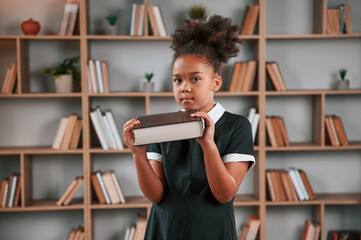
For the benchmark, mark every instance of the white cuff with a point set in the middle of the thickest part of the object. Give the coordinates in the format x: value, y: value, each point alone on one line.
x: 154, y: 156
x: 237, y: 157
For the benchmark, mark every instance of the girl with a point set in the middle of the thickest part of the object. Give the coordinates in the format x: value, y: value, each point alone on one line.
x: 192, y: 183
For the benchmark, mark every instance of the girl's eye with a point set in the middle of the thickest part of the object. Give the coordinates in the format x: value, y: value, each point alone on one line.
x: 195, y: 79
x: 177, y: 80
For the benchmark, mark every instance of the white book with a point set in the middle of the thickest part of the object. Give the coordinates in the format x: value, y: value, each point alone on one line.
x: 60, y: 133
x: 102, y: 186
x: 133, y: 20
x: 255, y: 122
x: 299, y: 192
x: 93, y: 77
x: 102, y: 124
x: 302, y: 185
x: 90, y: 90
x: 98, y: 71
x: 118, y: 188
x: 12, y: 190
x: 98, y: 129
x: 114, y: 129
x: 252, y: 112
x: 140, y: 20
x: 108, y: 133
x: 127, y: 234
x: 132, y: 231
x: 159, y: 21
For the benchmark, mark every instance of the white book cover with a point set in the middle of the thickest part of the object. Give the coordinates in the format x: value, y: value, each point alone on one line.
x: 60, y: 133
x: 255, y: 126
x: 159, y: 21
x: 132, y: 231
x: 296, y: 184
x: 108, y: 132
x: 98, y: 71
x: 133, y: 20
x: 12, y: 190
x: 252, y: 112
x: 99, y: 115
x: 102, y: 186
x: 302, y: 185
x: 97, y: 126
x: 114, y: 129
x: 93, y: 76
x: 127, y: 234
x: 90, y: 90
x: 118, y: 188
x: 141, y: 20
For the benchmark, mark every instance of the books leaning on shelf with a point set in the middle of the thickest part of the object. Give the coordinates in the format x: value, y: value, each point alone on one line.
x: 70, y: 18
x: 167, y: 127
x: 107, y: 187
x: 344, y: 235
x: 338, y: 20
x: 76, y: 234
x: 106, y: 129
x: 10, y: 191
x: 275, y: 77
x: 311, y: 231
x: 249, y: 230
x: 276, y: 131
x: 70, y: 191
x: 288, y: 185
x: 137, y: 231
x: 156, y: 21
x: 250, y: 20
x: 68, y: 133
x: 10, y: 79
x: 98, y: 76
x: 253, y: 118
x: 335, y: 133
x: 243, y: 76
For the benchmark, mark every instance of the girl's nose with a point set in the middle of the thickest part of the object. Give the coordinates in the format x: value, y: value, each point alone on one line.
x: 186, y: 87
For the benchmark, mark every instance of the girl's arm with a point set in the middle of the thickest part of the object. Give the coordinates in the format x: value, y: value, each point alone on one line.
x: 150, y: 172
x: 223, y: 179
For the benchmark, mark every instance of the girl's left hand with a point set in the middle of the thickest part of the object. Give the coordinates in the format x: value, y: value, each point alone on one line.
x: 208, y: 135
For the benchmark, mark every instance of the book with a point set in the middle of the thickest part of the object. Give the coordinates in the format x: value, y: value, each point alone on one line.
x: 110, y: 186
x: 152, y: 21
x: 140, y: 227
x: 72, y: 119
x: 250, y: 20
x: 97, y: 188
x: 114, y: 129
x: 70, y: 16
x: 277, y: 132
x: 117, y: 187
x: 282, y: 127
x: 4, y: 191
x: 341, y: 134
x: 10, y: 79
x: 99, y: 129
x: 270, y: 188
x: 249, y: 77
x: 93, y: 78
x: 159, y: 21
x: 105, y: 75
x: 235, y: 76
x: 348, y: 22
x: 241, y: 76
x: 253, y: 118
x: 76, y: 134
x: 73, y: 191
x: 296, y: 184
x: 166, y: 127
x: 17, y: 194
x: 307, y: 184
x: 244, y: 231
x: 291, y: 195
x: 308, y: 230
x: 99, y: 77
x: 330, y: 134
x: 301, y: 184
x: 60, y: 132
x: 102, y: 186
x: 254, y: 223
x: 270, y: 132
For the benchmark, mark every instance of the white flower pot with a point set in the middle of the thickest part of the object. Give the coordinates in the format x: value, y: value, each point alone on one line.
x: 343, y: 84
x: 112, y: 30
x: 64, y: 83
x: 148, y: 86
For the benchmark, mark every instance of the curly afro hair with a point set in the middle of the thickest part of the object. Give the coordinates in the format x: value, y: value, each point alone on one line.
x: 215, y: 40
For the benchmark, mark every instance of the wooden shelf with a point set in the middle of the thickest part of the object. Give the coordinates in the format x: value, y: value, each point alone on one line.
x: 307, y: 146
x: 130, y: 202
x: 36, y: 150
x: 46, y: 205
x: 111, y: 151
x: 245, y: 200
x: 42, y: 95
x: 311, y: 36
x: 39, y: 37
x: 313, y: 92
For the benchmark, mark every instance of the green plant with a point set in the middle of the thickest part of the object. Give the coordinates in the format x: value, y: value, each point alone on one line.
x: 112, y: 19
x: 67, y: 66
x: 197, y: 11
x: 149, y: 76
x: 343, y: 72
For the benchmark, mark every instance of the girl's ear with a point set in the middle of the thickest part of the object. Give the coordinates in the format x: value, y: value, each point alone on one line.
x: 217, y: 83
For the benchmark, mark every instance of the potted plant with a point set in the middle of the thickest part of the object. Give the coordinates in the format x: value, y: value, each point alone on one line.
x: 197, y: 11
x: 112, y: 28
x: 343, y: 83
x: 148, y: 85
x: 65, y: 74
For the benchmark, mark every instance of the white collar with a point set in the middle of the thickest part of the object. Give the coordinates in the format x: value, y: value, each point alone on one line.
x: 216, y: 112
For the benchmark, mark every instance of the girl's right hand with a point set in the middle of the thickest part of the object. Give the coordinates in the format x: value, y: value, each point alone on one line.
x: 129, y: 136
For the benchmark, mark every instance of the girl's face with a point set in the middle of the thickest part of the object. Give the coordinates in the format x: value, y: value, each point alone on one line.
x: 194, y: 83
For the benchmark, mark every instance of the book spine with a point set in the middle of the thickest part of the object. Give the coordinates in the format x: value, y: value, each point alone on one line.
x: 114, y: 129
x: 97, y: 126
x: 108, y: 133
x: 296, y: 184
x: 98, y: 71
x: 102, y: 186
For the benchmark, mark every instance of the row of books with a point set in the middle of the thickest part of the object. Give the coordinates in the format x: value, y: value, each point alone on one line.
x: 137, y: 231
x: 344, y: 235
x: 243, y: 76
x: 106, y: 129
x: 253, y: 118
x: 155, y: 20
x: 68, y: 133
x: 70, y: 18
x: 10, y: 79
x: 311, y: 231
x: 70, y: 191
x: 107, y: 187
x: 335, y: 133
x: 338, y: 20
x: 275, y: 77
x: 10, y: 191
x: 76, y: 234
x: 288, y: 185
x: 249, y: 230
x: 250, y: 20
x: 98, y: 76
x: 276, y: 131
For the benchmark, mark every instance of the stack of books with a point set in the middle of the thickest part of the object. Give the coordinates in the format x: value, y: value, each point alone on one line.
x: 70, y: 18
x: 70, y: 191
x: 106, y: 129
x: 250, y: 20
x: 98, y: 76
x: 344, y: 235
x: 275, y: 76
x: 155, y: 19
x: 288, y: 185
x: 276, y: 131
x: 243, y: 76
x: 311, y: 231
x: 10, y: 191
x: 76, y: 234
x: 68, y: 134
x: 338, y: 20
x: 335, y: 133
x: 137, y: 231
x: 107, y: 187
x: 253, y: 118
x: 9, y: 80
x: 249, y: 229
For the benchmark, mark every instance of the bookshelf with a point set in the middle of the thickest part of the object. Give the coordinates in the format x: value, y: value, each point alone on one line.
x: 293, y: 41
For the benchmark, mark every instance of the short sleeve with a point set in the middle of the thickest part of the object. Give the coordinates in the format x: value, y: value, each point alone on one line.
x: 154, y: 152
x: 240, y: 145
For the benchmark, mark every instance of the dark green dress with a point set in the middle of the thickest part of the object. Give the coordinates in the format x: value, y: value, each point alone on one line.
x: 189, y: 210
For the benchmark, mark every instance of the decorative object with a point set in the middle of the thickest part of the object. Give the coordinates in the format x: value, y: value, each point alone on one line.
x: 343, y: 84
x: 148, y: 86
x: 30, y: 27
x: 112, y: 28
x: 197, y: 11
x: 64, y: 73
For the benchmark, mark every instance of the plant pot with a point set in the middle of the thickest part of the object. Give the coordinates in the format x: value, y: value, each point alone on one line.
x: 343, y: 84
x: 148, y: 86
x: 30, y: 27
x: 112, y: 30
x: 64, y: 83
